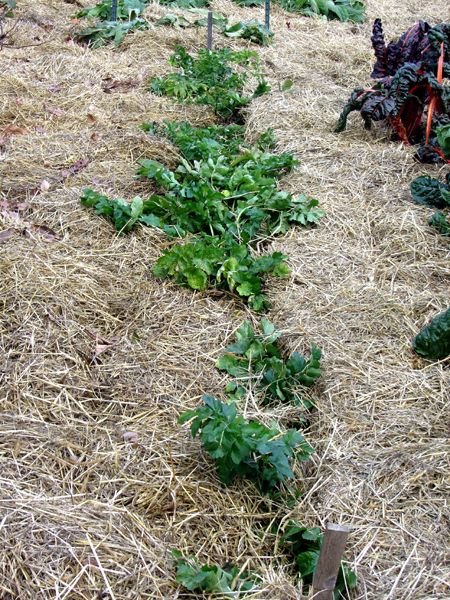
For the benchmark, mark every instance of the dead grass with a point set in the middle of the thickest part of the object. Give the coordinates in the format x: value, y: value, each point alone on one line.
x: 94, y: 347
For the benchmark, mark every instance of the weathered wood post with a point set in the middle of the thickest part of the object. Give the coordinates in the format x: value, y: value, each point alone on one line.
x: 325, y: 575
x: 210, y: 30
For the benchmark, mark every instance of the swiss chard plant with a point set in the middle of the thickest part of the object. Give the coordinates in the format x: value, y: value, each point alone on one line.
x: 256, y: 359
x: 344, y: 10
x: 212, y: 79
x: 432, y: 192
x: 218, y: 261
x: 408, y: 94
x: 245, y: 448
x: 228, y: 581
x: 304, y: 545
x: 440, y: 222
x: 433, y: 341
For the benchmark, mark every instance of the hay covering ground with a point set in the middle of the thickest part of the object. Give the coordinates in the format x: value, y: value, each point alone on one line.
x: 86, y: 514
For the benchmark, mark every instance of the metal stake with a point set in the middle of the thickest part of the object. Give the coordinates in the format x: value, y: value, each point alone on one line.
x: 210, y: 30
x: 113, y: 10
x: 267, y: 14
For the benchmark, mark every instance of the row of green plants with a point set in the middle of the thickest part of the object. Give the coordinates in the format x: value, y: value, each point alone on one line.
x: 223, y: 197
x: 219, y: 206
x: 410, y: 97
x: 264, y: 455
x: 105, y: 30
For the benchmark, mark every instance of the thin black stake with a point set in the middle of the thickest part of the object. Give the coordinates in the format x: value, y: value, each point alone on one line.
x: 113, y: 10
x: 210, y: 30
x: 267, y: 14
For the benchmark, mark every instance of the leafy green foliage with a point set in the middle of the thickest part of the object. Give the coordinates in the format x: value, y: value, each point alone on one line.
x: 256, y: 357
x: 224, y: 186
x: 245, y: 448
x: 211, y: 80
x: 223, y: 263
x: 123, y: 214
x: 443, y: 138
x: 440, y: 222
x: 250, y: 30
x: 105, y: 32
x: 304, y: 546
x: 127, y: 10
x: 344, y: 10
x: 430, y: 191
x: 212, y: 578
x: 433, y: 341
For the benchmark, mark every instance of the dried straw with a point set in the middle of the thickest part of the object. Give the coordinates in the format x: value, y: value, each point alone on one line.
x: 98, y: 482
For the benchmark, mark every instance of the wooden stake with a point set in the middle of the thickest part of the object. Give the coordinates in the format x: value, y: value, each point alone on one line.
x: 210, y: 30
x: 325, y: 575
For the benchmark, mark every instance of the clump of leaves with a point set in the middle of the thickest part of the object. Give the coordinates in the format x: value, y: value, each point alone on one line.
x: 304, y: 545
x: 224, y: 186
x: 211, y: 80
x: 221, y: 262
x: 257, y: 358
x: 430, y: 191
x: 344, y: 10
x: 106, y: 32
x: 433, y: 341
x: 409, y: 94
x: 127, y: 10
x: 123, y: 214
x: 440, y: 222
x: 253, y: 30
x: 243, y: 448
x: 229, y: 581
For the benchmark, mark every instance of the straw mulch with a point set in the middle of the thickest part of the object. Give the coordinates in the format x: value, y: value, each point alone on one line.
x: 98, y: 482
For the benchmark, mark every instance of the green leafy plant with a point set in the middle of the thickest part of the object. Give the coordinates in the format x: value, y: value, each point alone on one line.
x: 304, y: 545
x: 430, y: 191
x: 245, y: 448
x: 229, y: 581
x: 7, y: 7
x: 221, y: 262
x: 254, y: 31
x: 433, y: 341
x: 211, y: 80
x: 257, y: 358
x: 224, y: 186
x: 106, y: 32
x: 443, y: 139
x: 123, y: 214
x: 440, y: 222
x: 127, y: 10
x: 344, y: 10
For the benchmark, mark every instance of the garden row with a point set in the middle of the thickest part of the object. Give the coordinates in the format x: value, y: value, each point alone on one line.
x: 126, y: 17
x: 220, y: 206
x: 223, y: 197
